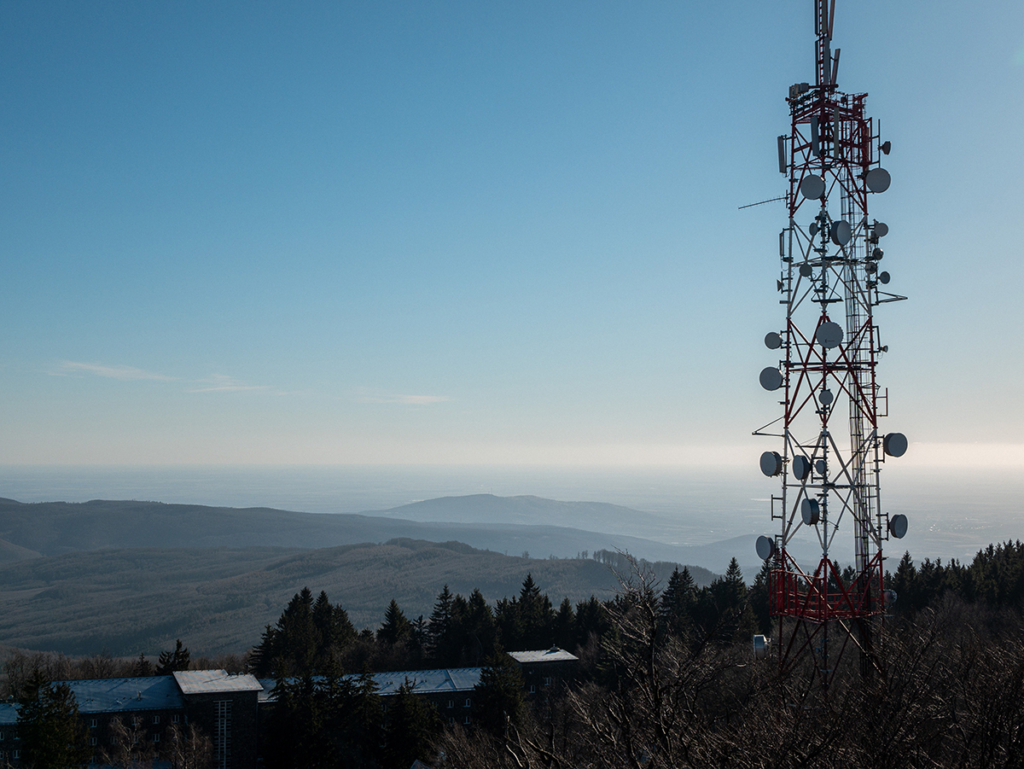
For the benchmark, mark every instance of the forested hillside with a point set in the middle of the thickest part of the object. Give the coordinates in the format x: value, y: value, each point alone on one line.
x: 54, y: 528
x: 136, y: 600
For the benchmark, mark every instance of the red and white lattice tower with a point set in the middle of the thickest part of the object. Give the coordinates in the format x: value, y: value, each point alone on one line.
x: 832, y: 448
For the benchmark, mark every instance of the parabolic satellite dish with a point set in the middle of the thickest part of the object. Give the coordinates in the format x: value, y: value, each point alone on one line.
x: 878, y: 180
x: 771, y: 378
x: 771, y: 463
x: 895, y: 444
x: 806, y: 270
x: 772, y: 340
x: 825, y: 397
x: 840, y: 232
x: 801, y: 467
x: 898, y: 526
x: 812, y: 187
x: 765, y: 547
x: 810, y: 511
x: 829, y: 335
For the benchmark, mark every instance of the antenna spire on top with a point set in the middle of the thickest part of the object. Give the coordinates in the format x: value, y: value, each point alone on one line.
x: 824, y: 16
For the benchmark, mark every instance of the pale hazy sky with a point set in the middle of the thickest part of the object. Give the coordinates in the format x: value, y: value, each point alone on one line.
x: 482, y: 232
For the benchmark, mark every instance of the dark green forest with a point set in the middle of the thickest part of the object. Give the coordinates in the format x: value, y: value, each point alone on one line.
x: 665, y: 678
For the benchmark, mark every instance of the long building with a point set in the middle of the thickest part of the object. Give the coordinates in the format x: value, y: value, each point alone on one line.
x: 226, y: 708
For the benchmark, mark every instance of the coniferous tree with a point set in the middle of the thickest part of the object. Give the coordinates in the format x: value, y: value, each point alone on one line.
x: 171, y: 661
x: 396, y: 627
x: 444, y: 643
x: 479, y: 629
x: 306, y: 635
x: 334, y: 629
x: 499, y: 695
x: 143, y: 667
x: 564, y: 630
x: 413, y: 726
x: 509, y: 623
x: 675, y: 608
x: 592, y: 621
x: 52, y: 735
x: 536, y: 616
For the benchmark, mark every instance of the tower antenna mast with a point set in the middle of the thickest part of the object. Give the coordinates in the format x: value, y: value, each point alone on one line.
x: 832, y: 448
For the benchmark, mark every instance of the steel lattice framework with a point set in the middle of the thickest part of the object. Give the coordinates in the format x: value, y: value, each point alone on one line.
x: 832, y: 448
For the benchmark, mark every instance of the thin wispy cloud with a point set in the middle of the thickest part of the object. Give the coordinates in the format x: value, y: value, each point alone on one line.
x: 215, y: 383
x: 221, y: 383
x: 407, y: 400
x: 123, y: 373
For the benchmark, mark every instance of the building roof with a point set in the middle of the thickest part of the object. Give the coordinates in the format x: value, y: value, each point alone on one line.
x: 110, y: 695
x: 448, y: 681
x: 8, y: 714
x: 554, y: 654
x: 428, y: 681
x: 215, y: 682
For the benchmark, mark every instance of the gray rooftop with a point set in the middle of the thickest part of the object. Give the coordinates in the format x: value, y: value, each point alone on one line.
x: 8, y: 714
x: 215, y: 682
x: 554, y: 654
x: 424, y: 681
x: 108, y: 695
x: 429, y: 681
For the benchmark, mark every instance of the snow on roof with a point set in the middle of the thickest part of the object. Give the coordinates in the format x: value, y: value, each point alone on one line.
x: 215, y: 682
x: 554, y: 654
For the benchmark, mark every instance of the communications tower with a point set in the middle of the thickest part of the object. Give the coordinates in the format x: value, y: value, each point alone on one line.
x: 832, y: 446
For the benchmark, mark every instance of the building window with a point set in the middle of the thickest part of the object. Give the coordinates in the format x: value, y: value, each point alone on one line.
x: 2, y: 734
x: 175, y: 718
x: 16, y: 755
x: 469, y: 703
x: 532, y: 688
x: 93, y: 741
x: 466, y: 720
x: 156, y: 738
x: 92, y: 723
x: 547, y: 681
x: 156, y: 719
x: 451, y: 704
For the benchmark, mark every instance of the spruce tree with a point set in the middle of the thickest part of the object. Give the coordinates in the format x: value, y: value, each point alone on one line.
x: 499, y: 695
x: 396, y: 627
x: 413, y: 725
x: 52, y: 735
x: 171, y: 661
x: 675, y: 609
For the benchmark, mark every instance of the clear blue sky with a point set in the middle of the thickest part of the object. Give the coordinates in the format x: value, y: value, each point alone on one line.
x: 486, y: 232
